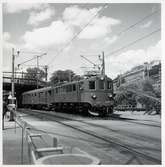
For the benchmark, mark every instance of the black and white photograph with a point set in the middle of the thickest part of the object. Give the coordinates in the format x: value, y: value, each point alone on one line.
x: 81, y: 83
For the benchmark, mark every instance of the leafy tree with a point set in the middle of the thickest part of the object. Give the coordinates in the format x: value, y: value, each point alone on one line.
x: 124, y: 97
x: 127, y: 97
x: 149, y: 103
x: 34, y: 73
x: 62, y: 76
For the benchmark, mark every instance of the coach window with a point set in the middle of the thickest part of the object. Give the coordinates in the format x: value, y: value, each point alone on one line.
x: 64, y: 88
x: 49, y: 92
x: 74, y: 87
x: 101, y: 84
x: 109, y: 85
x: 70, y: 88
x: 56, y: 90
x: 92, y: 85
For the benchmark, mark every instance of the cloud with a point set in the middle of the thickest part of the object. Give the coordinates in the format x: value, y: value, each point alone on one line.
x: 6, y: 36
x: 77, y: 16
x: 98, y: 27
x: 57, y: 33
x: 110, y: 40
x: 131, y: 58
x: 19, y: 7
x: 146, y: 25
x: 7, y: 51
x: 103, y: 44
x: 37, y: 17
x: 6, y: 43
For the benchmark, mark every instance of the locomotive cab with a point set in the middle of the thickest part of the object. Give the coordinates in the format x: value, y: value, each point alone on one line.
x: 98, y: 93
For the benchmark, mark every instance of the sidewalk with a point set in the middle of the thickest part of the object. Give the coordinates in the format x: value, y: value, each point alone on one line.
x: 139, y: 116
x: 12, y: 145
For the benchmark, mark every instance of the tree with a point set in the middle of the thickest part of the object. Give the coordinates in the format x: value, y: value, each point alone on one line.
x: 34, y: 73
x: 147, y: 88
x: 62, y: 76
x: 124, y: 97
x: 143, y: 90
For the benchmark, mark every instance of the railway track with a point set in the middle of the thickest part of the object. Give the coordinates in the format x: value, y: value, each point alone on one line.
x: 109, y: 140
x: 104, y: 127
x: 111, y: 117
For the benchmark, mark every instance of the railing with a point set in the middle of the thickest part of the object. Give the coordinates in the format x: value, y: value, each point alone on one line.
x: 20, y: 78
x: 39, y: 150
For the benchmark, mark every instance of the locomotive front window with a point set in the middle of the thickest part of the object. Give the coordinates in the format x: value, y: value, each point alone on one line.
x: 92, y: 85
x: 109, y: 85
x: 101, y: 84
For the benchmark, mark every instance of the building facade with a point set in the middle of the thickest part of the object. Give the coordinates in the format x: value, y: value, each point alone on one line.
x: 150, y: 70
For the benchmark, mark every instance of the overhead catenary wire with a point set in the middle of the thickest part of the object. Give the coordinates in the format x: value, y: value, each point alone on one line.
x: 30, y: 52
x: 32, y: 59
x: 132, y: 43
x: 26, y: 61
x: 136, y: 23
x: 77, y: 34
x: 119, y: 33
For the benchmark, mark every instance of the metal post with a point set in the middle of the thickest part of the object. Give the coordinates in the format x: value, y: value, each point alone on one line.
x: 22, y: 147
x: 103, y: 65
x: 12, y: 82
x: 3, y: 124
x: 37, y: 70
x: 12, y: 85
x: 46, y: 73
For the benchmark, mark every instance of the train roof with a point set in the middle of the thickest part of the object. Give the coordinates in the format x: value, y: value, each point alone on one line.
x: 63, y: 84
x: 38, y: 90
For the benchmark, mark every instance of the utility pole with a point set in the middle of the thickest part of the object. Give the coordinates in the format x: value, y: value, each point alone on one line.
x: 46, y: 73
x: 12, y: 86
x: 13, y: 73
x: 103, y: 64
x: 37, y: 70
x: 38, y: 56
x: 12, y: 80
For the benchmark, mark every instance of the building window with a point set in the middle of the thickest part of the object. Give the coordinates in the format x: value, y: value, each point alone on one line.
x: 92, y: 85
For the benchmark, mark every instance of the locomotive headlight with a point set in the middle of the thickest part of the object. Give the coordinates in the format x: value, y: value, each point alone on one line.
x: 94, y: 96
x: 110, y: 95
x: 102, y: 78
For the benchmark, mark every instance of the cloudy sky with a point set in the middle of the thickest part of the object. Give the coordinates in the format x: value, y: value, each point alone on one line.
x: 54, y: 29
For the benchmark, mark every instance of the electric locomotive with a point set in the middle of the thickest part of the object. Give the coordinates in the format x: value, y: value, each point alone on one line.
x: 89, y: 96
